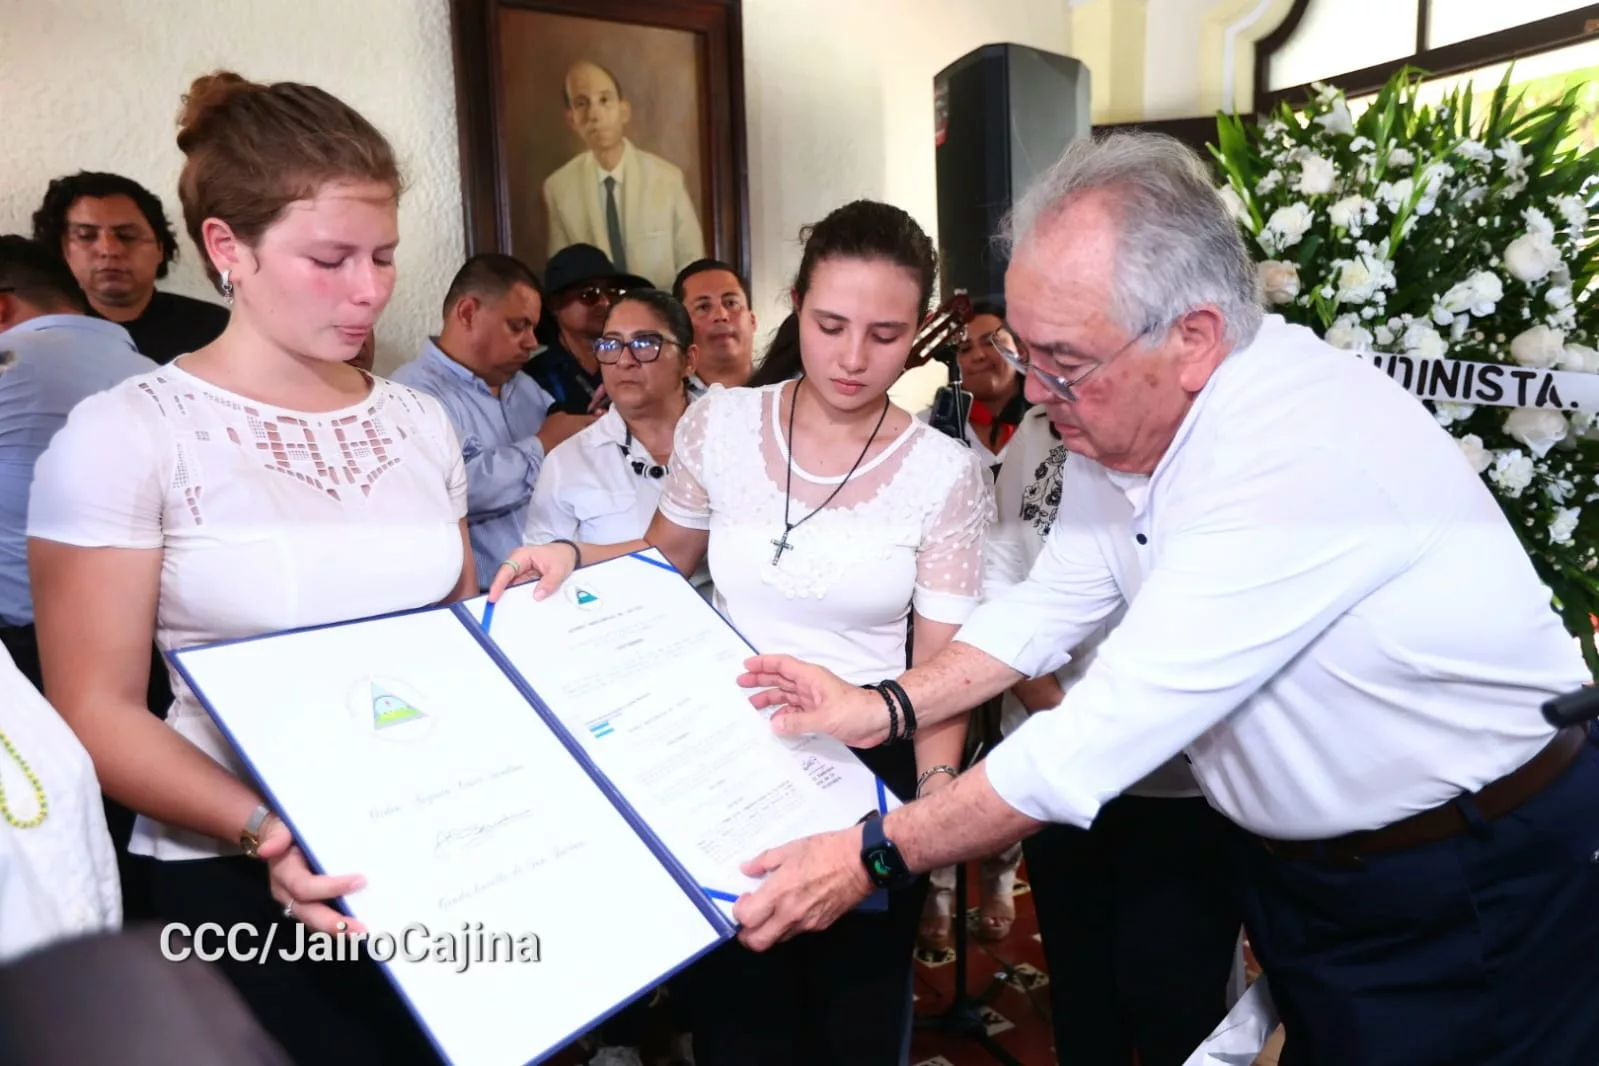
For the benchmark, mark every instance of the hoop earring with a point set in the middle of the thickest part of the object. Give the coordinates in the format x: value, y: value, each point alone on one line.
x: 227, y: 286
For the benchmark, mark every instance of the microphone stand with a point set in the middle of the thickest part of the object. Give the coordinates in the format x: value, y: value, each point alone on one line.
x: 964, y: 1015
x: 952, y: 405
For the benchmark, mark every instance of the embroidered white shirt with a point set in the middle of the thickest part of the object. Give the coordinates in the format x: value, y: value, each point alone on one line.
x: 268, y: 519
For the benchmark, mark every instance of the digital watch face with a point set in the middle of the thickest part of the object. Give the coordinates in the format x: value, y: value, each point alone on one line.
x: 881, y: 869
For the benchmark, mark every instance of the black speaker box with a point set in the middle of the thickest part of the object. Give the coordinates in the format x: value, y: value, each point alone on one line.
x: 1002, y: 115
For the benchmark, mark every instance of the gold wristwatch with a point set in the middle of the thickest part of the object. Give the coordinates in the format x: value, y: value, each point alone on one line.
x: 250, y: 838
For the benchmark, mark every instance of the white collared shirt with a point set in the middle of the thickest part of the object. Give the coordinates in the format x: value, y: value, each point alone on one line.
x: 1326, y: 608
x: 588, y: 491
x: 1028, y: 497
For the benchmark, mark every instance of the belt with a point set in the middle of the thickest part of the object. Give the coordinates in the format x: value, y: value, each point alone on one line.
x: 1493, y: 800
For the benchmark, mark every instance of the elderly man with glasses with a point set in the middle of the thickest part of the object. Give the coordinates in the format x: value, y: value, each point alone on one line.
x: 1326, y: 611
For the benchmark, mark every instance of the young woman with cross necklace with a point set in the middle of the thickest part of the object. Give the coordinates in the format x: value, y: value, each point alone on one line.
x: 836, y: 526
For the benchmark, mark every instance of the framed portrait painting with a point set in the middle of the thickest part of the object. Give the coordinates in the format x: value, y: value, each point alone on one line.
x: 615, y: 123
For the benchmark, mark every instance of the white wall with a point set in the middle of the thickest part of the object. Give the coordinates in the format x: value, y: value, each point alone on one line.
x: 840, y: 100
x: 1171, y: 58
x: 96, y: 85
x: 839, y: 105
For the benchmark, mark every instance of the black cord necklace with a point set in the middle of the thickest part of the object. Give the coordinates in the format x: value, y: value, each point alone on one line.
x: 782, y: 545
x: 640, y: 467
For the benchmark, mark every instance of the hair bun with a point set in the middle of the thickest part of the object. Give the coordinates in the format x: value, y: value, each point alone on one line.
x: 208, y: 96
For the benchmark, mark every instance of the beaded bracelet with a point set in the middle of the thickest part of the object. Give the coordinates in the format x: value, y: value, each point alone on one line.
x: 893, y: 715
x: 904, y: 706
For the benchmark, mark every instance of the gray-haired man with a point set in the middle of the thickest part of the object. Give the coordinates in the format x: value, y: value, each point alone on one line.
x: 1326, y: 610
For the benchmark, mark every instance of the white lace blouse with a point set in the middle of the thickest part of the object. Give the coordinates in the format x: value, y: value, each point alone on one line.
x: 268, y: 519
x: 905, y: 531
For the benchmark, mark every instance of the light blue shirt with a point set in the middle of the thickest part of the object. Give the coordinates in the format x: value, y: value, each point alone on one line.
x: 47, y: 365
x: 498, y: 445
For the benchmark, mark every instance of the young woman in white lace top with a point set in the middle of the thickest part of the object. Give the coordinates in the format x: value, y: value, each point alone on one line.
x: 831, y: 519
x: 257, y: 484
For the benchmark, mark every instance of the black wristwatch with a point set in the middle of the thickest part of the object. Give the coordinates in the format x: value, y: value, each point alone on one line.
x: 884, y: 865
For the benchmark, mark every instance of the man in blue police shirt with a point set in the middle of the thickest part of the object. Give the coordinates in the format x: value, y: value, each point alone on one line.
x: 502, y: 416
x: 52, y: 354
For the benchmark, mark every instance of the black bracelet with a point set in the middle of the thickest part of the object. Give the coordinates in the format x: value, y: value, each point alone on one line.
x: 575, y: 550
x: 893, y: 715
x: 904, y: 705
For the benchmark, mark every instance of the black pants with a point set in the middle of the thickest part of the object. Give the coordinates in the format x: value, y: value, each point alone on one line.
x: 840, y: 996
x: 1482, y: 949
x: 1139, y: 918
x: 334, y: 1013
x: 22, y: 644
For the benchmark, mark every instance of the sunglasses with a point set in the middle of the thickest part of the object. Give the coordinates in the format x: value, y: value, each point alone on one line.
x: 590, y: 295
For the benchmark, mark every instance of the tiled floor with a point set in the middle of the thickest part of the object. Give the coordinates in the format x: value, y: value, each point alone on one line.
x: 1009, y: 979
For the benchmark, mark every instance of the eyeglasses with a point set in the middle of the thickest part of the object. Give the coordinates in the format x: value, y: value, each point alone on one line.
x: 1014, y: 352
x: 646, y: 347
x: 593, y: 294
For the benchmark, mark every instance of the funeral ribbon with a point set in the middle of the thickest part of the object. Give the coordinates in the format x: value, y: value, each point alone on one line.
x: 1491, y: 384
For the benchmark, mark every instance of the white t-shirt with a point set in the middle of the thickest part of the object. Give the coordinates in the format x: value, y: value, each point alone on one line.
x: 1028, y: 493
x: 906, y: 530
x: 58, y: 879
x: 268, y: 519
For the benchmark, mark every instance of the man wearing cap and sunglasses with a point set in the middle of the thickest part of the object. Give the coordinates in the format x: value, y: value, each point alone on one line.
x: 582, y: 283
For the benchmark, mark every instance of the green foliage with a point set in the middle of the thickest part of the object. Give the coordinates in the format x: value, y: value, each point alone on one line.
x: 1460, y: 230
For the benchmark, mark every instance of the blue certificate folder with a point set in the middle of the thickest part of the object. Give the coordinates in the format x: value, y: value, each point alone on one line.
x: 519, y: 895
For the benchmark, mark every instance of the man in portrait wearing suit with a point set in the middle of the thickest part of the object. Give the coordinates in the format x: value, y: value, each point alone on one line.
x: 623, y: 200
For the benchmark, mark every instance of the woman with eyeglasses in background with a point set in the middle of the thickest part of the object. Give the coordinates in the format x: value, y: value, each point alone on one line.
x: 602, y: 485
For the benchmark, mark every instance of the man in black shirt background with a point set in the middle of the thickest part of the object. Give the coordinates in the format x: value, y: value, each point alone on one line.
x: 115, y: 236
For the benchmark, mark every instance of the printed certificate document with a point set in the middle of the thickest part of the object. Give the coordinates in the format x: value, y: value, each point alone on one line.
x: 549, y: 800
x: 633, y: 662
